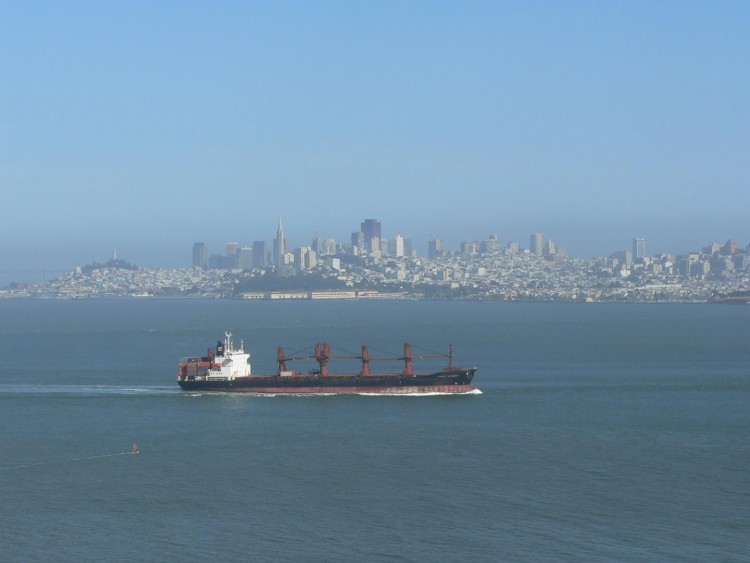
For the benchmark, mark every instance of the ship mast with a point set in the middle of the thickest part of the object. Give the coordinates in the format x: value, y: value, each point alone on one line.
x: 408, y: 367
x: 322, y: 355
x: 365, y: 361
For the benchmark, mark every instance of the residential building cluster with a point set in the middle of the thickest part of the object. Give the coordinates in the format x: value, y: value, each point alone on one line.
x: 372, y: 266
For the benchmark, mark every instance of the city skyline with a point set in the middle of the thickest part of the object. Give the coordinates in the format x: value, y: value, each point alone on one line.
x: 538, y: 243
x: 149, y: 128
x: 717, y: 273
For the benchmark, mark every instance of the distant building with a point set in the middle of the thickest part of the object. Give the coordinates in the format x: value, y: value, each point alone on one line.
x: 536, y: 244
x: 513, y: 247
x: 639, y: 249
x: 231, y: 248
x: 358, y: 243
x: 469, y: 247
x: 371, y: 230
x: 714, y: 248
x: 408, y: 248
x: 200, y: 255
x: 260, y: 254
x: 398, y: 246
x: 217, y: 262
x: 731, y: 246
x: 328, y: 248
x: 302, y: 259
x: 550, y: 249
x: 490, y: 246
x: 435, y: 248
x: 622, y: 257
x: 245, y: 258
x: 279, y: 246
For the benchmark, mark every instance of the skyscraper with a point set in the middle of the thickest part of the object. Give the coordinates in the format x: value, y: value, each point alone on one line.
x: 279, y: 245
x: 639, y: 248
x: 245, y: 258
x: 372, y: 233
x: 536, y: 244
x: 260, y: 253
x: 398, y: 246
x: 435, y: 248
x: 490, y: 246
x: 200, y: 255
x: 358, y: 242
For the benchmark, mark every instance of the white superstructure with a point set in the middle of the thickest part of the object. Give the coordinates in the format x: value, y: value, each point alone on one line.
x: 231, y: 362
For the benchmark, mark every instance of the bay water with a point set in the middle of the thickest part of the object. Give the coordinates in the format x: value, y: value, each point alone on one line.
x: 604, y: 432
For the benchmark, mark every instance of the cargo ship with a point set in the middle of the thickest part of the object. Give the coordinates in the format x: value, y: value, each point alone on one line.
x: 734, y: 298
x: 226, y: 368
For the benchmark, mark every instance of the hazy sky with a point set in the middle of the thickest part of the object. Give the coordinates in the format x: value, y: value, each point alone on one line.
x: 147, y: 126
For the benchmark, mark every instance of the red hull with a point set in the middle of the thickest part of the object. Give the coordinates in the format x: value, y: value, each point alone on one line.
x: 406, y: 390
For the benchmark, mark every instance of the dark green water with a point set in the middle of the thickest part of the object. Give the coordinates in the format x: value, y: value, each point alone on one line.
x: 604, y: 433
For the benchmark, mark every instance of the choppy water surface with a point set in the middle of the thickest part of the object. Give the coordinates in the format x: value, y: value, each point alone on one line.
x: 604, y: 432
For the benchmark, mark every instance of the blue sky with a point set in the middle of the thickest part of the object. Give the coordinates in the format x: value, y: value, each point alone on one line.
x: 147, y: 126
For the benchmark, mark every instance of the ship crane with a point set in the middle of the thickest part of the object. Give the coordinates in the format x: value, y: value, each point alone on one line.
x: 323, y: 354
x: 281, y: 359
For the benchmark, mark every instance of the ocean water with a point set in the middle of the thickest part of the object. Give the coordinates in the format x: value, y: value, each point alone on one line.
x: 603, y: 432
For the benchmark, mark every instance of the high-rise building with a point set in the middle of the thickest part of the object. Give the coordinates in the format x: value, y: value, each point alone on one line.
x: 639, y: 248
x: 358, y: 243
x: 435, y: 248
x: 200, y: 255
x: 245, y: 258
x: 408, y: 248
x: 536, y: 244
x: 371, y: 230
x: 279, y: 245
x: 328, y: 247
x: 550, y: 249
x: 260, y: 254
x: 731, y: 246
x: 231, y: 248
x: 398, y: 246
x: 469, y: 247
x: 490, y: 246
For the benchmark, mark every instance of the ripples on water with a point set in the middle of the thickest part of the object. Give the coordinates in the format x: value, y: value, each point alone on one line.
x: 603, y: 433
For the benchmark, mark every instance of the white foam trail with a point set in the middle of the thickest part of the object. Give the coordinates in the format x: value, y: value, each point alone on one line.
x: 11, y: 389
x: 61, y: 461
x: 426, y: 394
